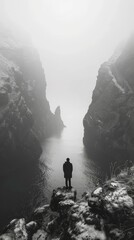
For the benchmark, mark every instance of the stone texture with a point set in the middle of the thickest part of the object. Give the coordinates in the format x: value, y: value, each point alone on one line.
x: 108, y: 124
x: 39, y: 235
x: 25, y: 116
x: 15, y: 230
x: 105, y: 214
x: 59, y: 197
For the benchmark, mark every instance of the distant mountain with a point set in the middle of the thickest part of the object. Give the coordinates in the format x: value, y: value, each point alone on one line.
x: 109, y: 122
x: 25, y: 116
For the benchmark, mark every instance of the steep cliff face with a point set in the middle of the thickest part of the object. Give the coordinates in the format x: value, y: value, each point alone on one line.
x: 108, y: 124
x: 25, y: 116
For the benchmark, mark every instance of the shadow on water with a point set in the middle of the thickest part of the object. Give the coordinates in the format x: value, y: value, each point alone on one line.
x: 21, y: 192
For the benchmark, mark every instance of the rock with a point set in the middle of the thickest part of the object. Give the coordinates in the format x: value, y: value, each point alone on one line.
x: 20, y: 229
x: 64, y: 207
x: 7, y: 236
x: 39, y: 235
x: 52, y: 226
x: 39, y: 214
x: 25, y: 116
x: 97, y: 192
x: 75, y: 217
x: 107, y: 214
x: 41, y: 210
x: 119, y: 199
x: 61, y: 194
x: 108, y: 123
x: 16, y: 230
x: 95, y: 203
x: 116, y: 234
x: 58, y: 119
x: 86, y: 195
x: 31, y: 228
x: 83, y: 224
x: 84, y: 232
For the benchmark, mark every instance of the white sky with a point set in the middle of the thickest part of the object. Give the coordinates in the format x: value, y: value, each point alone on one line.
x: 73, y: 38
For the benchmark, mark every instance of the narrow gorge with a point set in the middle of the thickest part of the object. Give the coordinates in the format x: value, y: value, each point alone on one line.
x: 105, y: 213
x: 34, y: 142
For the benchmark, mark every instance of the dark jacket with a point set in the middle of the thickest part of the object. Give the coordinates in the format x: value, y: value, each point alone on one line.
x: 67, y: 169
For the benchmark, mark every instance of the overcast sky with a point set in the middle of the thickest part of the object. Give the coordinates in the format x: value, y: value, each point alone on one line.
x: 73, y: 38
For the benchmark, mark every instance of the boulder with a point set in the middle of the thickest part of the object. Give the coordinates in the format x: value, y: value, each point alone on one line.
x: 39, y: 235
x: 107, y: 213
x: 60, y: 195
x: 15, y: 230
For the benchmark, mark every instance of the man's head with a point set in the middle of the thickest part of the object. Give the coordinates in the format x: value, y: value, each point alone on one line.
x: 67, y: 159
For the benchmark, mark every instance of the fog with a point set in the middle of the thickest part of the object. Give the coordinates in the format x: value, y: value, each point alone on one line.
x: 73, y: 37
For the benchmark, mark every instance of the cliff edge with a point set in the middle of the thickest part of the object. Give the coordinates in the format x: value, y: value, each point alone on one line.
x: 25, y: 116
x: 108, y: 124
x: 107, y: 213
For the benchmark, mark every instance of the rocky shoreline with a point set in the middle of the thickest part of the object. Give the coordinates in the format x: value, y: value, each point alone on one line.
x: 106, y: 213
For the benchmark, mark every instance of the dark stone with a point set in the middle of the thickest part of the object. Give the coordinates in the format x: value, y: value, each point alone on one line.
x: 108, y: 123
x: 60, y: 195
x: 25, y: 116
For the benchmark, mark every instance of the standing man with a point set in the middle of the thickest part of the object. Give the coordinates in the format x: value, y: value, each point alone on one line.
x: 67, y: 169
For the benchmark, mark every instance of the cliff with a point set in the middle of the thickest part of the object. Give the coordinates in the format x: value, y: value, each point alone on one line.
x: 25, y: 116
x: 108, y: 124
x: 107, y: 213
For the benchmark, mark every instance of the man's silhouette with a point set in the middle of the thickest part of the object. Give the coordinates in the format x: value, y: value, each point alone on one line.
x: 67, y: 169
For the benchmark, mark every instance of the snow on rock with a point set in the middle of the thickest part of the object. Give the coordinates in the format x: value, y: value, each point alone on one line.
x: 62, y: 194
x: 97, y: 192
x: 118, y: 200
x: 16, y: 230
x: 88, y: 233
x: 39, y: 235
x: 105, y: 214
x: 41, y: 210
x: 64, y: 207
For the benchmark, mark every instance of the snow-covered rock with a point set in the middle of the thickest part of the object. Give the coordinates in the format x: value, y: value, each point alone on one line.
x: 106, y: 214
x: 16, y: 230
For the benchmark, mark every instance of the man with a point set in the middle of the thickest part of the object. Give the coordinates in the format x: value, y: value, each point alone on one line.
x: 67, y: 169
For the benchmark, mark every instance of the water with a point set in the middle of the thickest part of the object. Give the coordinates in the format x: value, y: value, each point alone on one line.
x: 20, y: 193
x: 26, y: 188
x: 57, y: 149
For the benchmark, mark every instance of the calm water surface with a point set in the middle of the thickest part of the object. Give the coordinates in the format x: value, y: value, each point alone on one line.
x: 56, y: 150
x: 31, y: 186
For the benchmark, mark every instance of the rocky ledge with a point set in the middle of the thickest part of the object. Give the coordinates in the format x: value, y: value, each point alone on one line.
x: 106, y: 213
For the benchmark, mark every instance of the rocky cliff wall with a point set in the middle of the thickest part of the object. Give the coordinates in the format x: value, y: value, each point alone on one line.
x: 108, y: 124
x: 25, y: 116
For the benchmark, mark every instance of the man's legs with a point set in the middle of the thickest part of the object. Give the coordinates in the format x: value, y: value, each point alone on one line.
x: 69, y: 182
x: 66, y: 182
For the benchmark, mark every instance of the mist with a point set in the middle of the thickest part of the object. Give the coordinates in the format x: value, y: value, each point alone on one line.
x: 50, y: 55
x: 73, y: 37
